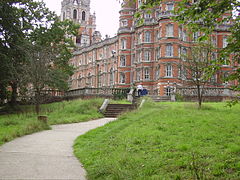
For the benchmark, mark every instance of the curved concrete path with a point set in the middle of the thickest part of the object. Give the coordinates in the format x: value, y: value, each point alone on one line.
x: 46, y: 155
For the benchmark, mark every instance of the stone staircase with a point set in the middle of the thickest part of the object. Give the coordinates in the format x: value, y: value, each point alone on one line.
x: 160, y: 98
x: 113, y: 110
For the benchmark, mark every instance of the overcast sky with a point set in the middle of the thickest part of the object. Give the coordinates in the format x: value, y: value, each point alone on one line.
x: 107, y: 14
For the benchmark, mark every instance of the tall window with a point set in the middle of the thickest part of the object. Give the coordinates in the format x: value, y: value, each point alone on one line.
x: 74, y: 14
x: 139, y: 56
x: 225, y: 43
x: 123, y: 43
x: 157, y: 53
x: 147, y: 55
x: 169, y: 30
x: 147, y: 36
x: 111, y: 77
x: 139, y: 38
x: 168, y: 91
x: 213, y: 79
x: 214, y: 40
x: 195, y: 36
x: 89, y: 79
x: 123, y: 61
x: 146, y: 74
x: 169, y: 70
x: 79, y: 80
x: 122, y: 78
x: 180, y: 33
x: 78, y: 39
x: 157, y: 35
x: 214, y: 56
x: 139, y: 3
x: 182, y: 74
x: 124, y: 23
x: 138, y: 75
x: 100, y: 79
x: 64, y: 16
x: 169, y: 50
x: 83, y: 16
x: 169, y: 7
x: 157, y: 72
x: 184, y: 36
x: 183, y: 53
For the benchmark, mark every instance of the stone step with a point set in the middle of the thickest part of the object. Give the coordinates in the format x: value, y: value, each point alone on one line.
x: 113, y: 110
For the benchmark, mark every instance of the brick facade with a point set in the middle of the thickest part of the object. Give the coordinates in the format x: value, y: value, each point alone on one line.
x: 147, y: 54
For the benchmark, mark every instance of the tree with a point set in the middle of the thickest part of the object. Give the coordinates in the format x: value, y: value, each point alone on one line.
x: 198, y: 67
x: 48, y: 55
x: 28, y: 25
x: 11, y: 37
x: 205, y: 15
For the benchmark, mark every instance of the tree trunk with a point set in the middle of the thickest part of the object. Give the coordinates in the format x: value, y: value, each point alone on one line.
x: 13, y: 101
x: 37, y: 102
x: 199, y: 97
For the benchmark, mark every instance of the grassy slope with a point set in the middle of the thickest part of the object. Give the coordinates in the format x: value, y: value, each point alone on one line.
x: 16, y: 125
x: 165, y: 141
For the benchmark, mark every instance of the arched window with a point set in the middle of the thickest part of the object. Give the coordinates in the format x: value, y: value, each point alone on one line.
x: 83, y: 15
x: 74, y: 14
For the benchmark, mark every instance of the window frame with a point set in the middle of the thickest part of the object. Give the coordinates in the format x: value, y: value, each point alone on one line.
x: 122, y: 78
x: 122, y: 61
x: 146, y: 74
x: 169, y: 30
x: 169, y: 50
x: 169, y: 70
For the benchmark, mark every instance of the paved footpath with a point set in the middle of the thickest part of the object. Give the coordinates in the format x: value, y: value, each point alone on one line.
x: 46, y: 155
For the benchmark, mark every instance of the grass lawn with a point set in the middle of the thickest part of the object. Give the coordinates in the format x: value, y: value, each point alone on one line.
x: 165, y: 141
x: 16, y: 125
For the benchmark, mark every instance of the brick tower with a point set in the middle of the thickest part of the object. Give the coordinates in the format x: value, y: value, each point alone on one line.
x: 79, y: 12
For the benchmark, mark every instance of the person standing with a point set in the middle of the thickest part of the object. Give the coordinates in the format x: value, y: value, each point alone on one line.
x: 139, y: 89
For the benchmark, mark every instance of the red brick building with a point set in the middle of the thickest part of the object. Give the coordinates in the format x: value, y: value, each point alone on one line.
x: 147, y: 54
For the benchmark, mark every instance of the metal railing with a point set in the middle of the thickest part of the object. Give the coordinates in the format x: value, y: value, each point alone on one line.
x: 121, y: 92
